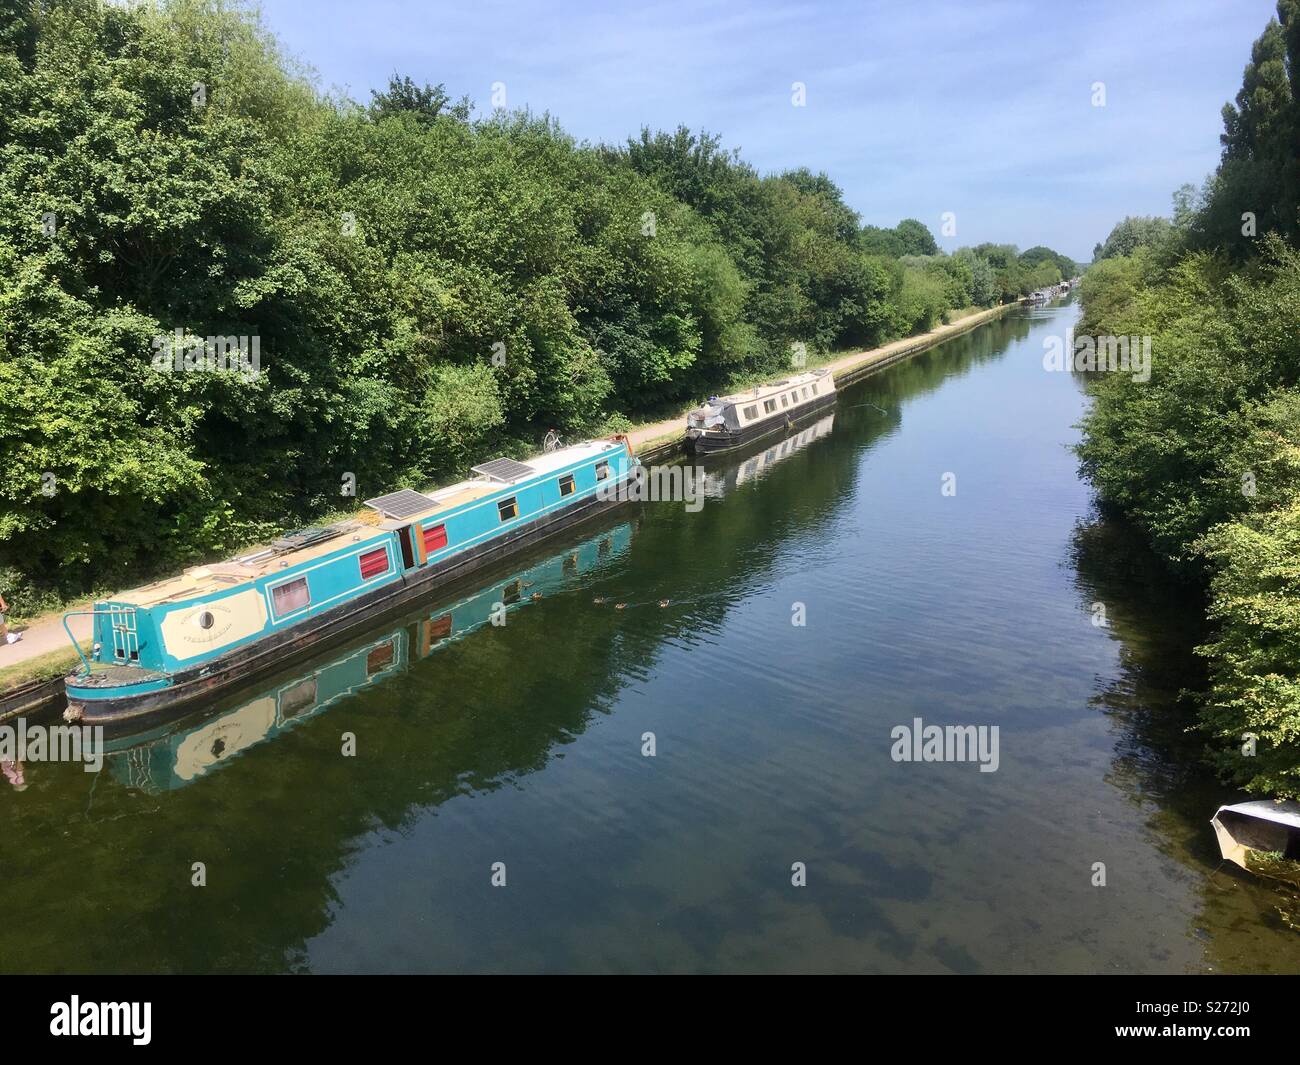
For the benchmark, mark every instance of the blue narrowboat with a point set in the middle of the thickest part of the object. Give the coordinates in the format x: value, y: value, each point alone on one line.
x: 171, y: 643
x: 166, y: 757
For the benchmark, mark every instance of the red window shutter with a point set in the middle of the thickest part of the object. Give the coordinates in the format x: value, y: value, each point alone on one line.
x: 373, y: 563
x: 435, y: 538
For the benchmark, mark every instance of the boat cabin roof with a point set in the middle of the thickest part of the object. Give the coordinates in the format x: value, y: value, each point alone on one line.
x: 286, y: 553
x: 772, y: 388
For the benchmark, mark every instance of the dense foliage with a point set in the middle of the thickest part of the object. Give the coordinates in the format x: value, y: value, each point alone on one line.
x: 1205, y: 456
x: 425, y: 288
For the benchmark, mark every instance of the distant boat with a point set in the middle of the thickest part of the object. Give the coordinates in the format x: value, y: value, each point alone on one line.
x: 728, y: 422
x: 1262, y: 837
x: 193, y: 636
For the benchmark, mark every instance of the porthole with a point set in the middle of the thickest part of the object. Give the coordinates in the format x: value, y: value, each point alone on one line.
x: 206, y: 620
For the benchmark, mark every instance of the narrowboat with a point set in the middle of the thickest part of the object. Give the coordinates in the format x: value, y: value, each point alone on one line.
x: 728, y: 422
x: 170, y: 756
x: 1262, y: 837
x: 166, y: 645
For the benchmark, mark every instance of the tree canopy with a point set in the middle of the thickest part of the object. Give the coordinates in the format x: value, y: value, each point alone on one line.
x: 424, y: 287
x: 1205, y: 456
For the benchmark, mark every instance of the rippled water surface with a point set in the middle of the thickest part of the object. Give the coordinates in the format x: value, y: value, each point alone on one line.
x: 523, y: 744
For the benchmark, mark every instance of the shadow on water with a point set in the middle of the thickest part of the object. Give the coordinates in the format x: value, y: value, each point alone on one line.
x: 1247, y: 923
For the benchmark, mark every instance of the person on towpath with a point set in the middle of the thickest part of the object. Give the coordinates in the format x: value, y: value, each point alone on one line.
x: 5, y: 635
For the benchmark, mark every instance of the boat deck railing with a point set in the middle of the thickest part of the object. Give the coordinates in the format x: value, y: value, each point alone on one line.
x: 122, y: 621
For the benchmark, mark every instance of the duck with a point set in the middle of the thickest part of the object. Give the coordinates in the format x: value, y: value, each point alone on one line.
x: 620, y: 606
x: 600, y: 600
x: 663, y: 603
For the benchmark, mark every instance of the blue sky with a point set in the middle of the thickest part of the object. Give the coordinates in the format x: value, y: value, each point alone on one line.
x: 915, y: 108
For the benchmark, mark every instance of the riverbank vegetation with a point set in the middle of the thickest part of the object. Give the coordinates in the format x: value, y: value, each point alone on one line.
x: 1205, y: 456
x: 426, y: 287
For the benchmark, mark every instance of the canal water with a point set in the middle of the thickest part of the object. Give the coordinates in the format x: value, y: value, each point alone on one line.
x: 947, y: 565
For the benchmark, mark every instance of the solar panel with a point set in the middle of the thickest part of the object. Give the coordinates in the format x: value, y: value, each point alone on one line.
x: 401, y: 504
x: 506, y: 470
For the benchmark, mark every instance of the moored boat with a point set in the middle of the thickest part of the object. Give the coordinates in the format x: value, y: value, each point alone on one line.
x: 178, y: 753
x: 728, y: 422
x: 168, y: 644
x: 1262, y: 837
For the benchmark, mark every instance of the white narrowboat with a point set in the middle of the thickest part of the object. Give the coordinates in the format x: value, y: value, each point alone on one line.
x: 727, y: 422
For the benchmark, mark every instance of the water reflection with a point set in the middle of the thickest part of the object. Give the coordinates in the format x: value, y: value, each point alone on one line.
x: 526, y: 743
x: 1159, y: 762
x: 178, y: 754
x: 752, y: 463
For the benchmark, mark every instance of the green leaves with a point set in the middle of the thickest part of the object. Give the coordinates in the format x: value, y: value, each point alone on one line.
x: 1205, y: 458
x: 425, y: 288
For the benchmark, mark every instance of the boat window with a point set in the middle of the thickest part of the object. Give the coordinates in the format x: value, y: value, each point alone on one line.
x: 566, y: 485
x: 290, y: 596
x: 602, y: 470
x: 435, y: 538
x: 751, y: 412
x: 769, y: 406
x: 805, y: 393
x: 373, y: 563
x: 508, y: 509
x: 785, y: 399
x: 814, y: 390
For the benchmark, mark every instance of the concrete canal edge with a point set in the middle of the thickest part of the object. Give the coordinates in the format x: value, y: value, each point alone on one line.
x: 34, y: 698
x: 853, y: 368
x: 850, y: 369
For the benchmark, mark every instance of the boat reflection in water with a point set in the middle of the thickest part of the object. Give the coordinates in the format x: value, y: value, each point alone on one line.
x: 174, y: 756
x: 718, y: 482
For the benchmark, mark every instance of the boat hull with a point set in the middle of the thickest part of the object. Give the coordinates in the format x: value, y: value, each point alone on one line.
x: 181, y: 690
x: 705, y: 443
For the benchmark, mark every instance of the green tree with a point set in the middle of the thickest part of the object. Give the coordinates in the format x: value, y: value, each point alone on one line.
x: 916, y: 238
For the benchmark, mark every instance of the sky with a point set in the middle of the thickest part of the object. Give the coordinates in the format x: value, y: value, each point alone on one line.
x: 986, y: 110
